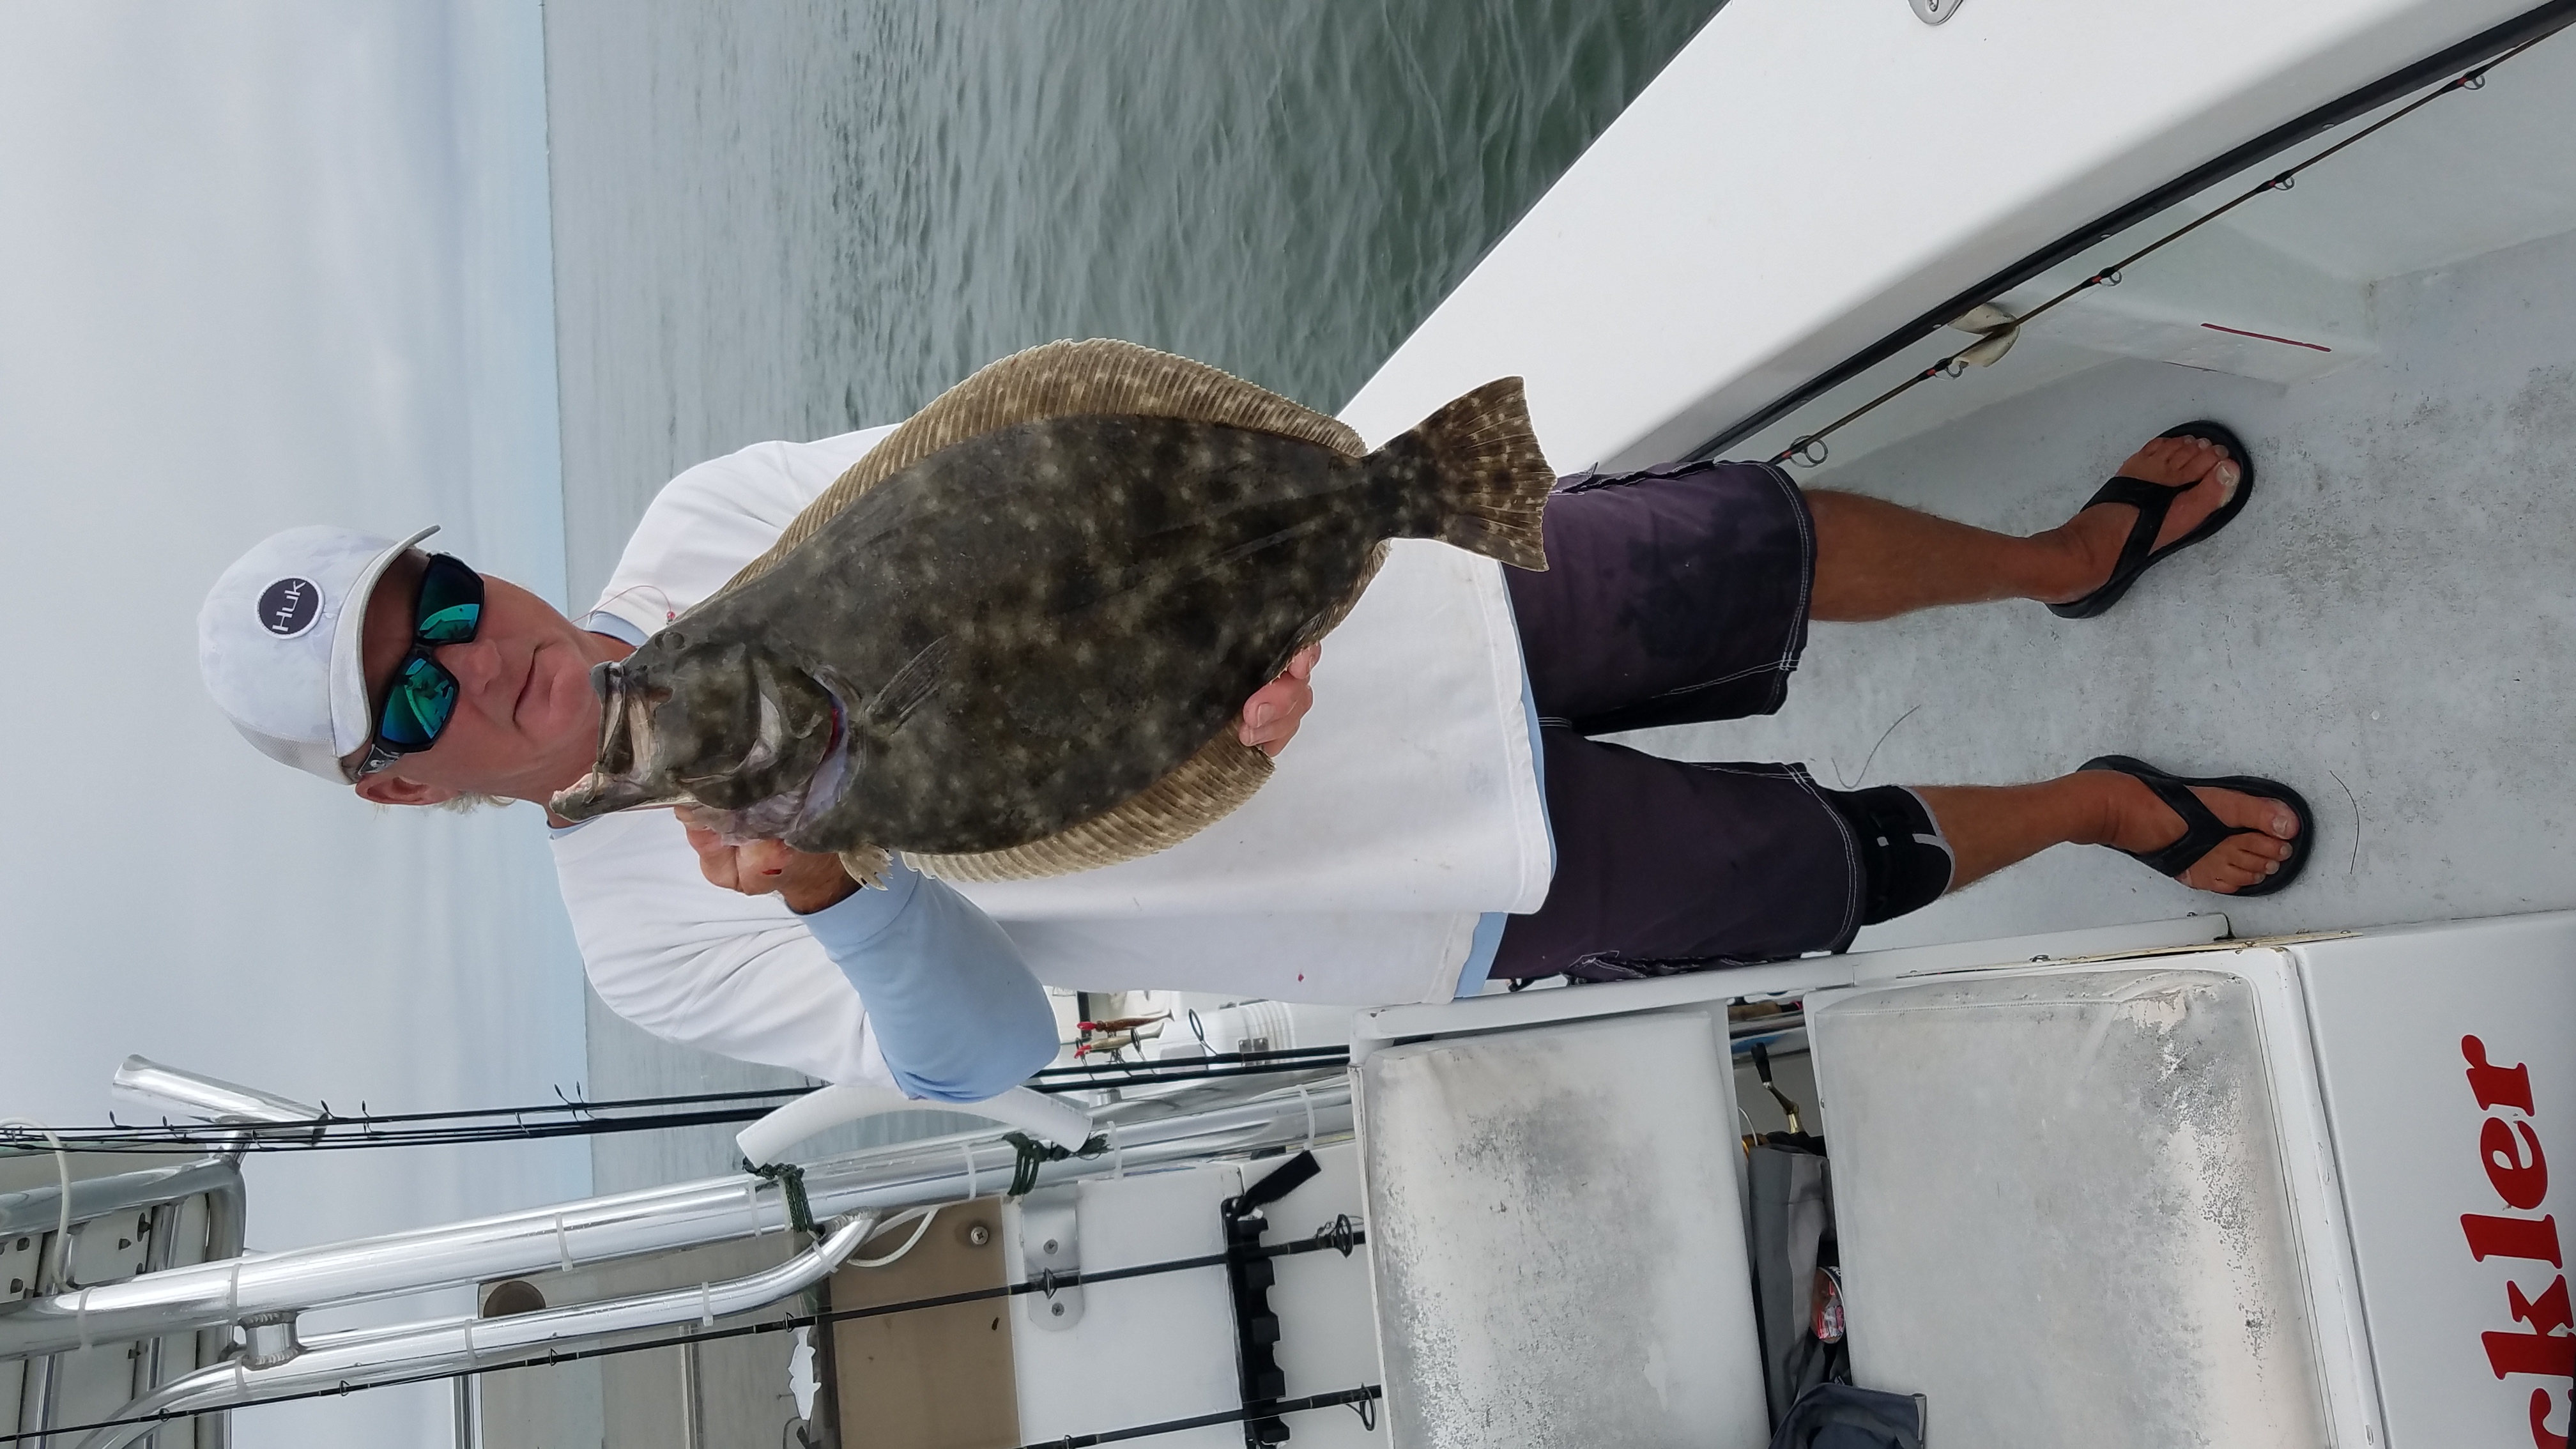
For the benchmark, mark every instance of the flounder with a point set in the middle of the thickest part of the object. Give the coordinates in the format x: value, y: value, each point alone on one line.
x: 1012, y: 640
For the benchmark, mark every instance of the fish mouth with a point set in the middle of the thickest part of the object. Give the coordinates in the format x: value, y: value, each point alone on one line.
x: 625, y: 735
x: 596, y: 794
x: 609, y: 795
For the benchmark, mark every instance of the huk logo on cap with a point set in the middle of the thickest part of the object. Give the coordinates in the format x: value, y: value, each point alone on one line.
x: 289, y: 607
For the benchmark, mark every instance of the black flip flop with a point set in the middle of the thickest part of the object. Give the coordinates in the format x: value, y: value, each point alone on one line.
x: 2153, y: 501
x: 2202, y: 832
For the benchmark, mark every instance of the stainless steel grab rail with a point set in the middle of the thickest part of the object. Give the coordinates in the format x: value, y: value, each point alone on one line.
x: 713, y: 1210
x: 37, y: 1209
x: 158, y: 1188
x: 369, y: 1355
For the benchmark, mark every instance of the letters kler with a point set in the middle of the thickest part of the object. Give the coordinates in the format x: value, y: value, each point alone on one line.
x: 2509, y: 1145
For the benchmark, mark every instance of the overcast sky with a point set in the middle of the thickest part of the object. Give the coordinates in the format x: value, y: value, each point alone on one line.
x: 268, y: 263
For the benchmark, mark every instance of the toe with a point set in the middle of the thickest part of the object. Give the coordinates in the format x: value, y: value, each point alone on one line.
x: 2204, y: 481
x: 2166, y: 460
x: 2208, y: 481
x: 2266, y: 845
x: 2250, y: 812
x: 2174, y: 461
x: 2245, y: 860
x: 2230, y: 867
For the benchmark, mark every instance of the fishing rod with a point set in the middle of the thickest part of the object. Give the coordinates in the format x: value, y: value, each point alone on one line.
x: 573, y: 1116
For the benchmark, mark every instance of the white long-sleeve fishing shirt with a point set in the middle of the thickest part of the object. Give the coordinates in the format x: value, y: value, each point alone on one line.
x: 1376, y: 866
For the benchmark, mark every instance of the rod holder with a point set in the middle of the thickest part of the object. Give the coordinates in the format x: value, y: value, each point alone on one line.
x: 144, y: 1085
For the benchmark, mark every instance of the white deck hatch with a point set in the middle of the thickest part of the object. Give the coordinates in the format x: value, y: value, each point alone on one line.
x: 1558, y: 1241
x: 2063, y: 1202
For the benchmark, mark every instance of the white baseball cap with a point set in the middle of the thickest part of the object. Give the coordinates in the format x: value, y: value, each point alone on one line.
x: 281, y: 642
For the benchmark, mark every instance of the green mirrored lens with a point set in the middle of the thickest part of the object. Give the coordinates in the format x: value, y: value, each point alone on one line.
x: 451, y: 602
x: 452, y: 625
x: 418, y: 706
x: 448, y: 609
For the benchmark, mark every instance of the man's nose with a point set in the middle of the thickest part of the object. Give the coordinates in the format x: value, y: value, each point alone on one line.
x: 475, y: 663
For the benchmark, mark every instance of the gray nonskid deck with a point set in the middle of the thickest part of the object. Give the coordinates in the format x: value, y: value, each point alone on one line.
x: 2391, y: 616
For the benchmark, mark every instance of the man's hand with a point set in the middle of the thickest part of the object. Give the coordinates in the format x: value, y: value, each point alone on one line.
x: 810, y: 882
x: 806, y: 881
x: 1271, y: 716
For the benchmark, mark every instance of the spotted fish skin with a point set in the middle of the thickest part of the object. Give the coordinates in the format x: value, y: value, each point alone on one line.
x: 1020, y: 639
x: 1089, y: 601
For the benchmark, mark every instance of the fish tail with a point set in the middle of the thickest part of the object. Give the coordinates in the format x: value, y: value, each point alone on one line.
x: 1474, y: 472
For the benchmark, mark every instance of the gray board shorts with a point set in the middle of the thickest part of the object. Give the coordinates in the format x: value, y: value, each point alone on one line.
x: 1675, y: 595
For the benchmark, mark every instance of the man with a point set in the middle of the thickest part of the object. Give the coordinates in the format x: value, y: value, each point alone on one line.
x: 1448, y: 817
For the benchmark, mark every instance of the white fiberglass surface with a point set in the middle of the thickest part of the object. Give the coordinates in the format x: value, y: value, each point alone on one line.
x: 2282, y: 287
x: 1557, y: 1239
x: 1163, y: 1347
x: 2064, y: 1209
x: 1162, y: 1351
x: 2448, y: 1104
x: 2469, y: 174
x: 1802, y: 180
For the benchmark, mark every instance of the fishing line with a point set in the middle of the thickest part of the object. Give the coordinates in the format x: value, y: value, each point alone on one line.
x: 1809, y: 450
x: 1339, y: 1236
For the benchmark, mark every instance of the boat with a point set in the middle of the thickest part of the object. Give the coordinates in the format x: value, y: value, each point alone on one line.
x: 2055, y: 1163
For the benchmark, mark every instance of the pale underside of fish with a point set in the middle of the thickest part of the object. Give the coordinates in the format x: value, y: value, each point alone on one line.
x: 1012, y: 641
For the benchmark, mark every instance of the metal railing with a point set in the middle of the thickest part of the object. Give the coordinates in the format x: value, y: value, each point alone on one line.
x: 160, y: 1190
x: 275, y: 1364
x: 219, y: 1294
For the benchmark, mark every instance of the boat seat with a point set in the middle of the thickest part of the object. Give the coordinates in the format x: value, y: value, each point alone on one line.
x: 1558, y: 1240
x: 2063, y: 1211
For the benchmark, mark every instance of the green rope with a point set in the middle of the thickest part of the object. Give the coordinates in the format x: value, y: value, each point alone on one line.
x: 791, y: 1180
x: 1035, y: 1154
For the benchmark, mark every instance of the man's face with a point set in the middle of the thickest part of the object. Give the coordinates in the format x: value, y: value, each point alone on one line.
x: 526, y: 721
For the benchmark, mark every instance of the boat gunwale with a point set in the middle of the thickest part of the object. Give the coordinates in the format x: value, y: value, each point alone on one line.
x: 2487, y: 45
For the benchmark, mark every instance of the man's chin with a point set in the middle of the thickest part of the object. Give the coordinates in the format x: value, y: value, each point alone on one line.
x: 560, y: 714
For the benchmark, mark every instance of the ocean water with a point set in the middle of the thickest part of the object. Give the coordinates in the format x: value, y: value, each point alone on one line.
x: 792, y: 218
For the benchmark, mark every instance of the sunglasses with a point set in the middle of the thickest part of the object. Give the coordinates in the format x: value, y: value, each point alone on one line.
x: 422, y: 698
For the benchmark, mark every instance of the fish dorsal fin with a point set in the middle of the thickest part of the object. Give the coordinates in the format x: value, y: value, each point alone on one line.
x: 1063, y: 379
x: 1203, y: 790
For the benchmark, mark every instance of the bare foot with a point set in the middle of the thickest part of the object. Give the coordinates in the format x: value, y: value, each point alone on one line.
x: 2092, y: 539
x: 2140, y: 822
